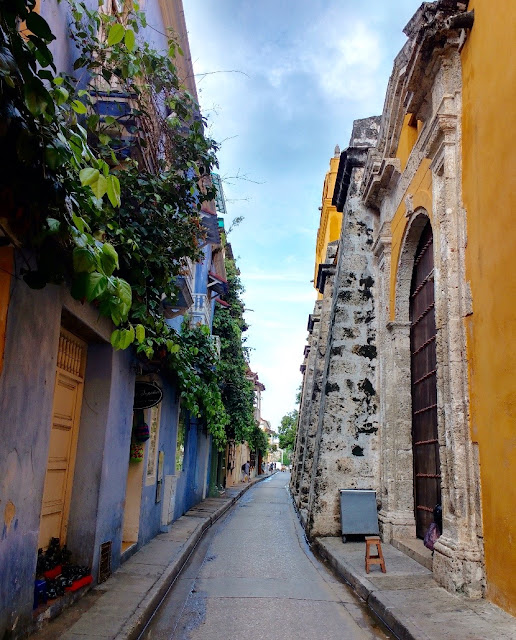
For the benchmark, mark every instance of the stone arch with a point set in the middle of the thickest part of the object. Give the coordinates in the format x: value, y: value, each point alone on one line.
x: 405, y: 264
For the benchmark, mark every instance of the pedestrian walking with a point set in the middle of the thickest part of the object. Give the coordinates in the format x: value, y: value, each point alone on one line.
x: 245, y: 472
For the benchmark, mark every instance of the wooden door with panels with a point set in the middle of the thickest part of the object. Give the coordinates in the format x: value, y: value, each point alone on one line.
x: 64, y: 432
x: 425, y: 443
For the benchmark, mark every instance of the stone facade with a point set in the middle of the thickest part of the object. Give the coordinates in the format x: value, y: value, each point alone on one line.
x: 337, y: 437
x: 389, y: 186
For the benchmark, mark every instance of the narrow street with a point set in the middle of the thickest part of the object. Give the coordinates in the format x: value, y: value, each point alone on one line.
x: 254, y: 576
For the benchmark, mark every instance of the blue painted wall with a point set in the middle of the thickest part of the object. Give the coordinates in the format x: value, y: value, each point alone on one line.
x: 150, y: 518
x: 26, y: 396
x: 26, y: 388
x: 97, y: 504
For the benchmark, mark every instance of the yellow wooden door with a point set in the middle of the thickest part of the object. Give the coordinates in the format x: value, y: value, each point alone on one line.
x: 64, y: 431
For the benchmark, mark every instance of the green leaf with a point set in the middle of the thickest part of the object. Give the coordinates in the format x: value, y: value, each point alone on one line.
x: 93, y: 120
x: 39, y: 26
x: 61, y: 95
x: 88, y: 176
x: 108, y: 259
x: 37, y: 97
x: 83, y: 260
x: 129, y: 39
x: 122, y: 338
x: 55, y: 156
x: 104, y: 139
x: 105, y: 168
x: 99, y: 188
x: 113, y: 190
x: 116, y: 316
x: 53, y: 226
x: 79, y: 223
x: 79, y: 107
x: 96, y: 284
x: 115, y: 339
x: 110, y: 251
x: 58, y: 80
x: 140, y: 333
x: 42, y: 52
x: 116, y: 33
x: 124, y: 292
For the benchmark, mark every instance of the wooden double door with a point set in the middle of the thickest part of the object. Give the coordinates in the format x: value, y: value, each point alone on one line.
x: 425, y: 445
x: 64, y: 431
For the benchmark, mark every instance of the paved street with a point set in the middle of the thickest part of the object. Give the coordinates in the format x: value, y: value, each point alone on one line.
x: 253, y: 576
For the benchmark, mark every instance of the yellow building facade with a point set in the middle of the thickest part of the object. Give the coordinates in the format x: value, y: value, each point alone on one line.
x: 331, y: 220
x: 489, y: 194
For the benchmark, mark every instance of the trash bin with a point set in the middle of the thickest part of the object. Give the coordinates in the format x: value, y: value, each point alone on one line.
x: 358, y: 514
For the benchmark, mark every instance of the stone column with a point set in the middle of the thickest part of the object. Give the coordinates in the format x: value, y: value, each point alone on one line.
x: 396, y: 514
x: 458, y: 559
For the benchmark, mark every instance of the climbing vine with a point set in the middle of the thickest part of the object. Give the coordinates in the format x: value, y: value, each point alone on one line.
x: 102, y: 178
x: 237, y: 388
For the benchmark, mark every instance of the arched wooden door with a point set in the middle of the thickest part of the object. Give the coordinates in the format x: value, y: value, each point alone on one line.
x: 425, y: 445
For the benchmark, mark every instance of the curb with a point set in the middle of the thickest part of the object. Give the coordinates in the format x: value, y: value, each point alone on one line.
x: 372, y: 596
x: 133, y: 626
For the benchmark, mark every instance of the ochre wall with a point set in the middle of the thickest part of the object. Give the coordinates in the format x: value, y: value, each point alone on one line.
x: 420, y: 191
x: 331, y: 220
x: 408, y: 137
x: 489, y: 193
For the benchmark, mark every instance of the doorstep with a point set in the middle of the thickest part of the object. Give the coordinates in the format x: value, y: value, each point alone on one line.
x: 415, y: 549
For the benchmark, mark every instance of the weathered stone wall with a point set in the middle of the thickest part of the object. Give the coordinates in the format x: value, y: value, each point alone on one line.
x: 346, y: 449
x: 337, y: 443
x: 314, y: 396
x: 306, y: 400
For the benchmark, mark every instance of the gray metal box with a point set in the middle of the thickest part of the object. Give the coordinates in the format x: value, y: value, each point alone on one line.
x: 358, y: 514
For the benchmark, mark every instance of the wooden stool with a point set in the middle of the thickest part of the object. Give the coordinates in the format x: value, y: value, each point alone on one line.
x: 374, y: 541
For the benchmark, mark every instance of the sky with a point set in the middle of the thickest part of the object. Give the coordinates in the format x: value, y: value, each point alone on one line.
x: 280, y: 83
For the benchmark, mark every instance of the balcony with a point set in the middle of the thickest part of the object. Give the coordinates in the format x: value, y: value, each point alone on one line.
x: 201, y: 309
x: 183, y: 301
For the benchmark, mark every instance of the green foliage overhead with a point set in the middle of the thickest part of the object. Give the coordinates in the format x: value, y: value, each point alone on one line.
x: 109, y: 204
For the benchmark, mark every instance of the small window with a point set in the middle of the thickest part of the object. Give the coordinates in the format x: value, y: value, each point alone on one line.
x: 180, y: 444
